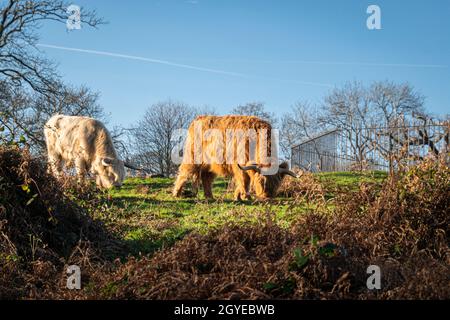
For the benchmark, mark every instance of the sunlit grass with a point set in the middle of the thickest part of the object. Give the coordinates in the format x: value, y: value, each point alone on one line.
x: 148, y: 217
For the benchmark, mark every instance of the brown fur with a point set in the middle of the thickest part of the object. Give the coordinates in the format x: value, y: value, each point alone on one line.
x: 204, y: 172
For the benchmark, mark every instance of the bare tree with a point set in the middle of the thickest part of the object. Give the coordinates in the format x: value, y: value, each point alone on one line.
x: 409, y: 140
x: 391, y: 101
x: 153, y: 136
x: 256, y: 109
x: 298, y: 124
x: 359, y: 112
x: 289, y: 135
x: 349, y: 109
x: 394, y: 104
x: 30, y: 90
x: 11, y: 99
x: 23, y: 114
x: 20, y: 60
x: 122, y: 142
x: 205, y: 110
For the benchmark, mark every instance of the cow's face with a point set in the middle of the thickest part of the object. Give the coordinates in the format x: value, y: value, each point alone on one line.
x: 266, y: 186
x: 110, y: 173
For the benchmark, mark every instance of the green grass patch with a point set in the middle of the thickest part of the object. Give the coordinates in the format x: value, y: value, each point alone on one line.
x: 147, y: 217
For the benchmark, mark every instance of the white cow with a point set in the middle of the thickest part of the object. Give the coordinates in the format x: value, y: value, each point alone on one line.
x: 86, y: 144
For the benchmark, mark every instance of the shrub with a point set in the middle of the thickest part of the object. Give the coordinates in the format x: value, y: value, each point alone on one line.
x: 41, y: 224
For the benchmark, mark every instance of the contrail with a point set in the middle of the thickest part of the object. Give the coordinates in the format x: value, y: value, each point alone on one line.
x: 369, y: 64
x: 179, y: 65
x: 337, y: 63
x: 125, y: 56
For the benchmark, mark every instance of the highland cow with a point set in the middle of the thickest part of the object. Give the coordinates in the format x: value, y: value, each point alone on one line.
x: 87, y: 145
x: 231, y: 146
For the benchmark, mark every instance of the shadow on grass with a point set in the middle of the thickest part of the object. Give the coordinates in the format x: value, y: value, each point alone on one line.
x: 149, y: 245
x: 124, y: 201
x: 153, y: 183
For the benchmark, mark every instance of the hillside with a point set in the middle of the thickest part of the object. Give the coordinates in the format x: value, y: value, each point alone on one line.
x: 315, y: 241
x: 148, y: 217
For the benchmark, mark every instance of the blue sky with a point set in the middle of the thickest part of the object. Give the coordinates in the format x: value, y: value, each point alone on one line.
x: 277, y: 52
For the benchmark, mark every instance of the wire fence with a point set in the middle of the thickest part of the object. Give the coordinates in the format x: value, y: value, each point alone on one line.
x: 371, y: 148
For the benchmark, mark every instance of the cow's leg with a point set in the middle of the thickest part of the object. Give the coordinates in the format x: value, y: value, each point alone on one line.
x: 247, y: 186
x: 207, y: 181
x: 184, y: 173
x: 242, y: 181
x: 195, y: 183
x: 55, y: 165
x: 80, y: 167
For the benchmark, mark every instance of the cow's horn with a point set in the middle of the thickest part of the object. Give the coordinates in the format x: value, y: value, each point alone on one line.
x: 130, y: 166
x: 250, y: 167
x: 288, y: 172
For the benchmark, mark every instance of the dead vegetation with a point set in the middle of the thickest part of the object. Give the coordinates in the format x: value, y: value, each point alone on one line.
x: 42, y: 227
x: 402, y: 227
x: 306, y: 188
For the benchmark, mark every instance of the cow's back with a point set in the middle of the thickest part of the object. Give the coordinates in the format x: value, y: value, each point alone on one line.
x: 231, y: 122
x: 77, y: 136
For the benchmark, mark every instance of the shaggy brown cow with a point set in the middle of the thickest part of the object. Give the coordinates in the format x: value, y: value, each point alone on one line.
x: 86, y: 144
x: 213, y: 157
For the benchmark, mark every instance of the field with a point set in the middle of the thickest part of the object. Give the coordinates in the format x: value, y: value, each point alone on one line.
x: 148, y: 217
x: 314, y: 241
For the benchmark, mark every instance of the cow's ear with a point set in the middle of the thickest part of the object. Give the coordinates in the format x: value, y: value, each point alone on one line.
x: 107, y: 162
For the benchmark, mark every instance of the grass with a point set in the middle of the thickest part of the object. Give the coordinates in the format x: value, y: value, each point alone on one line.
x: 351, y: 179
x: 146, y: 215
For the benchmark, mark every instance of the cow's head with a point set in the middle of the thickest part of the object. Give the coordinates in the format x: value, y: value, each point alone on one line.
x: 266, y: 186
x: 109, y: 172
